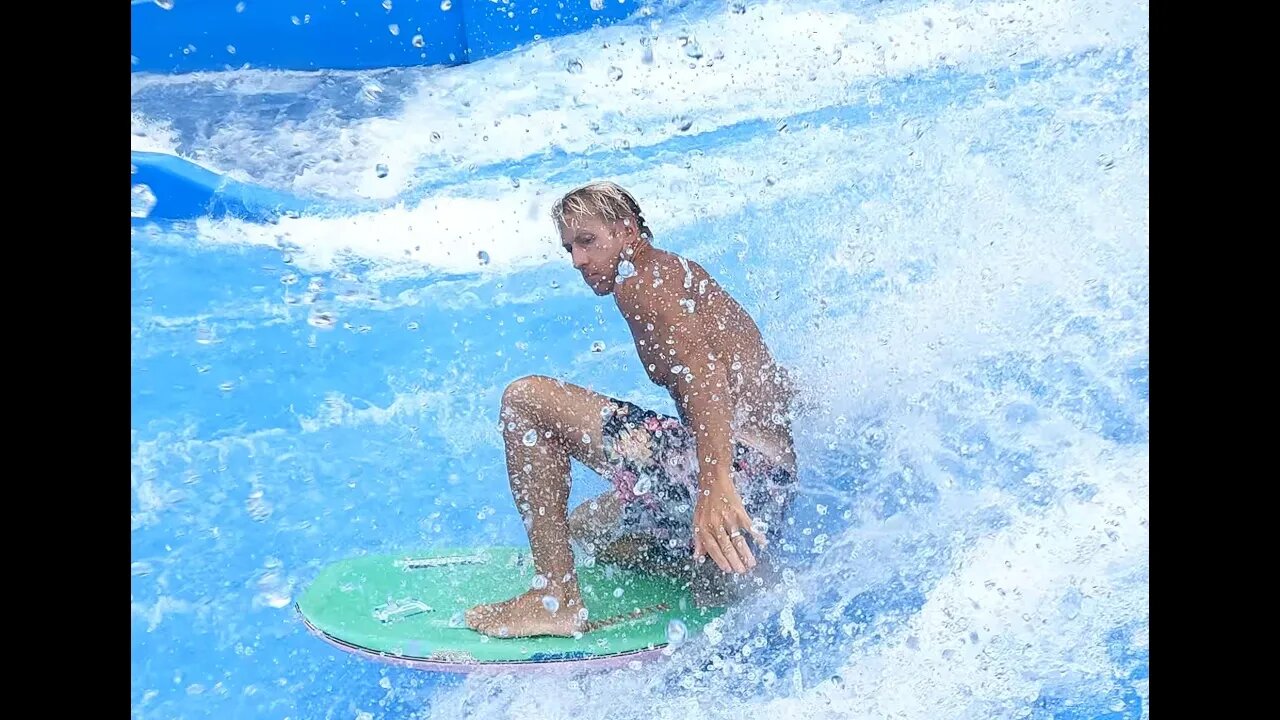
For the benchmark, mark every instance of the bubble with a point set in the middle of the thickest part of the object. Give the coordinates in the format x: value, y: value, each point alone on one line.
x: 586, y: 439
x: 551, y: 604
x: 386, y: 5
x: 394, y: 28
x: 295, y: 20
x: 435, y: 137
x: 626, y: 269
x: 239, y: 7
x: 483, y: 257
x: 615, y: 73
x: 617, y: 592
x: 530, y: 438
x: 141, y: 201
x: 677, y: 369
x: 140, y: 569
x: 597, y: 4
x: 574, y: 66
x: 231, y: 49
x: 164, y: 4
x: 738, y: 7
x: 539, y: 582
x: 683, y: 123
x: 419, y: 41
x: 676, y: 632
x: 381, y: 170
x: 445, y: 5
x: 692, y: 49
x: 597, y: 346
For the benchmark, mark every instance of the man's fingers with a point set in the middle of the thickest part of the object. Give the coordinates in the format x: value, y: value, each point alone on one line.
x: 730, y: 550
x: 713, y: 549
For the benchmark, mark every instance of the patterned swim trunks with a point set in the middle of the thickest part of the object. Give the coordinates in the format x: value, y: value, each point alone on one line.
x: 654, y: 470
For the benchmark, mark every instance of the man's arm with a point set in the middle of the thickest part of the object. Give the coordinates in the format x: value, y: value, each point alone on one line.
x: 700, y: 382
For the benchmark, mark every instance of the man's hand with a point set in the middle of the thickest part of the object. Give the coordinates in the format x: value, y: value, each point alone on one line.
x: 720, y: 527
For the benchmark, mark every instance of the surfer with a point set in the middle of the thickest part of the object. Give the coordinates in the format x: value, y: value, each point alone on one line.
x: 713, y: 483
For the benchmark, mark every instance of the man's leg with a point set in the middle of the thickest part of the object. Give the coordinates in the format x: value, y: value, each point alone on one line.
x: 562, y: 421
x: 594, y: 526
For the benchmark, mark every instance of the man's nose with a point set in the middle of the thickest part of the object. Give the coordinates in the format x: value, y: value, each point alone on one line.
x: 579, y: 260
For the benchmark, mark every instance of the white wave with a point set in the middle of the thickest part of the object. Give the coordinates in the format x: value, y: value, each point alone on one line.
x: 773, y: 61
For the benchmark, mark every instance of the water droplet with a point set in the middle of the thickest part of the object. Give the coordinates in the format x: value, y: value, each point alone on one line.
x: 738, y: 7
x: 646, y: 56
x: 531, y: 438
x: 574, y: 66
x: 617, y: 592
x: 483, y: 257
x: 412, y: 326
x: 386, y: 4
x: 539, y: 582
x: 555, y: 285
x: 164, y: 4
x: 586, y: 439
x: 322, y: 319
x: 676, y: 632
x: 683, y: 123
x: 295, y: 20
x: 597, y: 4
x: 446, y: 4
x: 515, y: 182
x: 140, y: 569
x: 760, y: 526
x: 551, y: 604
x: 597, y: 346
x: 259, y: 509
x: 239, y: 7
x: 615, y: 73
x: 226, y: 386
x: 626, y: 269
x: 231, y: 49
x: 419, y: 41
x: 692, y: 49
x: 381, y: 169
x: 394, y: 28
x: 1106, y: 162
x: 141, y: 201
x: 385, y: 683
x: 643, y: 485
x: 677, y: 369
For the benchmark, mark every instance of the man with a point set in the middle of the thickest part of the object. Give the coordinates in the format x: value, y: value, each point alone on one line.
x: 684, y: 490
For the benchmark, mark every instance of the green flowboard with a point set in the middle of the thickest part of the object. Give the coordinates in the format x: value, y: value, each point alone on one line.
x: 409, y: 609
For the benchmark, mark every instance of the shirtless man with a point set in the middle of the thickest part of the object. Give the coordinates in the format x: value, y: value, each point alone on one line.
x: 684, y: 489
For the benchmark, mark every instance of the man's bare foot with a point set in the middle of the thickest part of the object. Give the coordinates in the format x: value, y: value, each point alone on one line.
x: 547, y: 611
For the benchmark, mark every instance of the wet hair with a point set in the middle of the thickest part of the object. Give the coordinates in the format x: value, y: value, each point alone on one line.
x: 604, y: 200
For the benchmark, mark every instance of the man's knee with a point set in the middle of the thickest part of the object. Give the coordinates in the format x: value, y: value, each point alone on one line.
x: 527, y: 393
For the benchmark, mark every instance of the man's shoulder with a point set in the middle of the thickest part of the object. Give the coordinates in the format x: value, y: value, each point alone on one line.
x: 660, y: 282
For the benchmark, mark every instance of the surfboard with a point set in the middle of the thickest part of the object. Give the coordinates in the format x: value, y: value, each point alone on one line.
x: 408, y: 610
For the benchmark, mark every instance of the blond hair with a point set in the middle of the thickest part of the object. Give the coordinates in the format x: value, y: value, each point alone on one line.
x: 604, y: 200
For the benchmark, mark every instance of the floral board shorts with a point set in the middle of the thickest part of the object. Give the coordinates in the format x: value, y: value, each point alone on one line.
x: 653, y: 465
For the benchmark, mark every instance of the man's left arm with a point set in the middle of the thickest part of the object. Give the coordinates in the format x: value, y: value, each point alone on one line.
x: 701, y: 389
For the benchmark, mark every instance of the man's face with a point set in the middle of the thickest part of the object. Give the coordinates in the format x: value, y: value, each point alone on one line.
x: 595, y: 246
